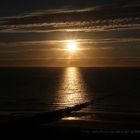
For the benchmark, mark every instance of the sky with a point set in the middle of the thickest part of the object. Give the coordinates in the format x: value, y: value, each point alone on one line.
x: 35, y: 32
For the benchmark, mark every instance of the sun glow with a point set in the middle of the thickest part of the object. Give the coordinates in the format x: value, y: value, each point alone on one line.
x: 71, y: 45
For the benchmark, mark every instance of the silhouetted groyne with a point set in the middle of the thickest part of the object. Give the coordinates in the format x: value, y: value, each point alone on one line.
x: 45, y: 117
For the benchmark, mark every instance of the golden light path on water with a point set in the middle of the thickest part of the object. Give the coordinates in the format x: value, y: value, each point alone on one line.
x: 72, y: 90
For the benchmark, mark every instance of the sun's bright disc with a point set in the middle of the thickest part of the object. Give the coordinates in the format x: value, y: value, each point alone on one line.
x: 71, y: 45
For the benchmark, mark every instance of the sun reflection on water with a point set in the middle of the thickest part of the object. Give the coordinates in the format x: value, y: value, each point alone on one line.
x: 72, y: 89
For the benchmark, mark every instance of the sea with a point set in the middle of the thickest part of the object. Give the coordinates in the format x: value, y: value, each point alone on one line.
x: 38, y: 90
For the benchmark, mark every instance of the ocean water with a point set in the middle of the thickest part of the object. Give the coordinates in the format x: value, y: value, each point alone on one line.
x: 115, y: 90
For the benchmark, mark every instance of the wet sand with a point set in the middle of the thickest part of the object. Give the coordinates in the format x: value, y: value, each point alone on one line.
x: 73, y: 124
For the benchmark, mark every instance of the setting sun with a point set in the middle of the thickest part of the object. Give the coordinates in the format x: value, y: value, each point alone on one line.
x: 71, y: 45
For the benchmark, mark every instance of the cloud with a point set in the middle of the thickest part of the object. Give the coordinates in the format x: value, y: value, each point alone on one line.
x: 85, y: 26
x: 86, y: 19
x: 49, y: 12
x: 81, y: 41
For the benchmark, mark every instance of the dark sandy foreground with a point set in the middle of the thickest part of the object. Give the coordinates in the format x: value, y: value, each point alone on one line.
x: 77, y: 125
x: 68, y: 123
